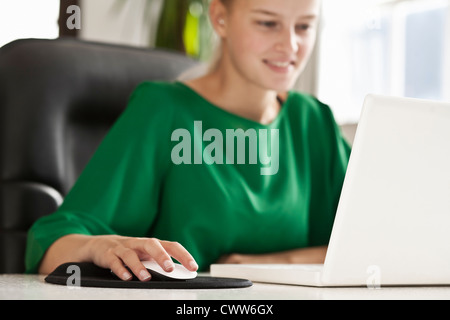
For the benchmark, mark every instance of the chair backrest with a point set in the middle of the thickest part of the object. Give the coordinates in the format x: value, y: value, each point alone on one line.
x: 58, y: 99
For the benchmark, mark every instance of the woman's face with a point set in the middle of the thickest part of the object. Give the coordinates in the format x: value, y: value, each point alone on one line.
x: 269, y: 42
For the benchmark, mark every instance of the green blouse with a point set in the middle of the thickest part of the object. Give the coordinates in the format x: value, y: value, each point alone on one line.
x: 178, y: 168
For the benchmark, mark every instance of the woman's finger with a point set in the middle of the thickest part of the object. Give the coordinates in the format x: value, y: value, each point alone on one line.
x: 117, y: 267
x: 130, y: 258
x: 162, y: 251
x: 153, y: 248
x: 177, y: 251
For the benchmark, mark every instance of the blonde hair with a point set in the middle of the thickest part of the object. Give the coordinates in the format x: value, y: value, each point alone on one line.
x: 217, y: 44
x: 227, y: 3
x: 212, y: 62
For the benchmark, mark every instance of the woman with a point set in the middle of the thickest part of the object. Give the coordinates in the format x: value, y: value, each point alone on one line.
x: 168, y: 180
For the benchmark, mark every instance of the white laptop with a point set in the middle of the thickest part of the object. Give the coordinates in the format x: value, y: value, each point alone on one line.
x: 392, y: 226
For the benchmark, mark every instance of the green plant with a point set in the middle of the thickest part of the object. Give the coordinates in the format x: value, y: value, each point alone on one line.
x: 183, y: 26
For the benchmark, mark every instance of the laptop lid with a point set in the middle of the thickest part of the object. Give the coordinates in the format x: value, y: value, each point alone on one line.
x: 392, y: 226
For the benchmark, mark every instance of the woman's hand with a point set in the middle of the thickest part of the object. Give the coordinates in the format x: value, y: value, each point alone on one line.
x: 116, y: 252
x: 314, y: 255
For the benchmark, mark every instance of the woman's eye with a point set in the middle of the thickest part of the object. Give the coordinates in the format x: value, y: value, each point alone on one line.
x: 303, y: 27
x: 267, y: 24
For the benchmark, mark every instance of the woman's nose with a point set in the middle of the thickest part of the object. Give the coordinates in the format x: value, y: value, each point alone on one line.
x: 289, y: 42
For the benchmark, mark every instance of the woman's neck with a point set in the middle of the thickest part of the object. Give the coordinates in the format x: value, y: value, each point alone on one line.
x: 230, y: 91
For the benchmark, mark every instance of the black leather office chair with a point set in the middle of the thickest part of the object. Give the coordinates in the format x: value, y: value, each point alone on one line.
x: 58, y: 98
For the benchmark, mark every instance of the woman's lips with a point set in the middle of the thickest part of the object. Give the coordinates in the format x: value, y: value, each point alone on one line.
x: 280, y: 66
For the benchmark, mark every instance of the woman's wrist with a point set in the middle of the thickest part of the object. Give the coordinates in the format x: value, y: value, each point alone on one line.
x: 313, y: 255
x: 69, y: 248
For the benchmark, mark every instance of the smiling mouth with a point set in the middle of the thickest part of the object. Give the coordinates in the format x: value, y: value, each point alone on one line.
x: 280, y: 64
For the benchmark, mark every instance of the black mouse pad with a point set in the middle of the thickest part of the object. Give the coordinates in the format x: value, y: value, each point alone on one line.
x: 90, y: 275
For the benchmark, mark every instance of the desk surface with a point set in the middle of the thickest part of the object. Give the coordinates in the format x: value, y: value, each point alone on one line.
x: 30, y: 287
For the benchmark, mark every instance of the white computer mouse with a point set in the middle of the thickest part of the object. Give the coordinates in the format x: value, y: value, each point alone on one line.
x: 158, y: 273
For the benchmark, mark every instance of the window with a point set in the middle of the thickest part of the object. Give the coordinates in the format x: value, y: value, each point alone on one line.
x: 28, y: 19
x: 399, y: 48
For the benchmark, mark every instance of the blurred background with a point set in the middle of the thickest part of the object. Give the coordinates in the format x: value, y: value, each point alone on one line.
x: 390, y: 47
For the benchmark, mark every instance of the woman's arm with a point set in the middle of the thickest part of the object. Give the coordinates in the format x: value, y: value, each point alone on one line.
x: 314, y: 255
x: 117, y: 193
x: 113, y: 252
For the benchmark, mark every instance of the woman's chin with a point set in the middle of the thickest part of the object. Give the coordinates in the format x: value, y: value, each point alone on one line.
x: 280, y: 86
